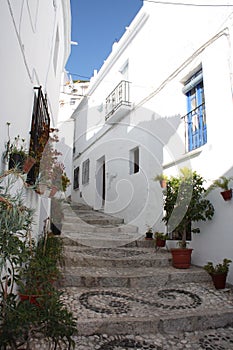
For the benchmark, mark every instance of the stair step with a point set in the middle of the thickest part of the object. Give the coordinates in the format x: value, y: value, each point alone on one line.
x: 118, y: 257
x: 139, y: 277
x: 118, y: 284
x: 98, y: 239
x: 166, y: 309
x: 80, y: 226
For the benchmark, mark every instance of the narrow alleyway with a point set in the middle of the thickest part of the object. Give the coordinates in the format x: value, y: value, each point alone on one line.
x: 130, y: 297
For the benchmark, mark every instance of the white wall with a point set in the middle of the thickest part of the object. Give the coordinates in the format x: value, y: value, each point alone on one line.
x: 28, y: 32
x: 162, y: 48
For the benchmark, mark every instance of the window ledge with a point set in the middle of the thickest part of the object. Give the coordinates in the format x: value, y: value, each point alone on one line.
x: 189, y: 155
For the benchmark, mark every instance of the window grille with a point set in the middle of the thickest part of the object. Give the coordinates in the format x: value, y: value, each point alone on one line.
x: 85, y: 172
x: 40, y: 127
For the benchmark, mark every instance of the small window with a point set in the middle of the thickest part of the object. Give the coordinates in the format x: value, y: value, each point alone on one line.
x: 134, y: 161
x: 76, y: 178
x: 73, y: 101
x: 195, y: 120
x: 85, y: 172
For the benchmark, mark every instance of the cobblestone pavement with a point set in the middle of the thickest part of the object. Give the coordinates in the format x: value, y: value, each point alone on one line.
x: 101, y: 303
x: 105, y: 302
x: 218, y: 339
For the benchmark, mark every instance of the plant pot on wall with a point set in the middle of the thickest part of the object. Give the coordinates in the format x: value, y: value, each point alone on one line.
x: 53, y: 191
x: 181, y: 257
x: 227, y: 195
x: 28, y: 164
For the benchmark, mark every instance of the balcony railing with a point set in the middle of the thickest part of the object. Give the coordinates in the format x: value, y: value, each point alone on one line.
x: 118, y: 102
x: 195, y: 128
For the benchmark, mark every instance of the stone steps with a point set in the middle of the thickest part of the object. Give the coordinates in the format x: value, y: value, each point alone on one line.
x: 152, y: 325
x: 118, y: 284
x: 116, y: 258
x: 170, y: 309
x: 130, y: 278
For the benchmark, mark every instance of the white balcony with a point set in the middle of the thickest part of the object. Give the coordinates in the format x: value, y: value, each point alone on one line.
x: 118, y: 103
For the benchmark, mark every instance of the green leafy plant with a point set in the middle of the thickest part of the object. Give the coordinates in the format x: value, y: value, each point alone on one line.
x: 185, y: 202
x: 162, y: 178
x: 222, y: 182
x: 218, y: 268
x: 161, y: 235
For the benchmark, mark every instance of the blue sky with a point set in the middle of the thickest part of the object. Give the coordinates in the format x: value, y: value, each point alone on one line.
x: 96, y: 24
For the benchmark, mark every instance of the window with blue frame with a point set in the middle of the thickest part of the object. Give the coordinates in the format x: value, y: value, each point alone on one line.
x: 195, y: 120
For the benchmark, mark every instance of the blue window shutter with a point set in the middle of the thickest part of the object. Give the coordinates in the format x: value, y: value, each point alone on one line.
x: 190, y: 124
x: 196, y: 121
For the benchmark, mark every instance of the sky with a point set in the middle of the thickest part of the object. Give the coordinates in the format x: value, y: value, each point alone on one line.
x: 96, y: 25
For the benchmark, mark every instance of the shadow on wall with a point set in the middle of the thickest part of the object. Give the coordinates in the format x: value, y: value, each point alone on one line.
x: 129, y: 193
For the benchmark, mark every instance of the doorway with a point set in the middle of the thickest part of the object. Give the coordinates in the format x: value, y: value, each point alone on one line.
x: 100, y: 183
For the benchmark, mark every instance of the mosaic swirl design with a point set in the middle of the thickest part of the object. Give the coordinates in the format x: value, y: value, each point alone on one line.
x: 116, y: 303
x: 216, y: 342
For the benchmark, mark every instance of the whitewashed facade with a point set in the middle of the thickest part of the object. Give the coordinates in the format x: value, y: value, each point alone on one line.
x: 133, y: 123
x: 35, y: 45
x: 71, y: 94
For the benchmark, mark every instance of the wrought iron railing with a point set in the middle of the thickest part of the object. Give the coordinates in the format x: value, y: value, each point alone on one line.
x: 195, y: 128
x: 40, y: 128
x: 118, y: 97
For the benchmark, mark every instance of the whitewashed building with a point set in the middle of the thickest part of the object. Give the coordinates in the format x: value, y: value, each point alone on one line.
x: 35, y: 45
x: 71, y: 94
x: 161, y: 101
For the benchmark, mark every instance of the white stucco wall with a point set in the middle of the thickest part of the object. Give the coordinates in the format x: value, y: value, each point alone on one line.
x: 30, y: 57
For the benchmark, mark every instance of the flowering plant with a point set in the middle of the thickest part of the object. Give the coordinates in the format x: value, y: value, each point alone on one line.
x: 52, y: 172
x: 18, y: 146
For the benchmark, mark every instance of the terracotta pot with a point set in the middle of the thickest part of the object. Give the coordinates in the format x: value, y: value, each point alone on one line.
x: 227, y: 195
x: 31, y: 298
x: 28, y: 164
x: 181, y: 258
x: 53, y: 191
x: 160, y: 242
x: 219, y: 280
x: 163, y: 183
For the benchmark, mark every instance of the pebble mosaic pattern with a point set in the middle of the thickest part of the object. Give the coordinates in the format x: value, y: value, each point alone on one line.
x: 115, y: 303
x: 216, y: 341
x: 219, y: 339
x: 128, y: 344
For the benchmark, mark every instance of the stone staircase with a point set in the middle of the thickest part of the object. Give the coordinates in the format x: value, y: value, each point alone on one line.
x: 119, y: 284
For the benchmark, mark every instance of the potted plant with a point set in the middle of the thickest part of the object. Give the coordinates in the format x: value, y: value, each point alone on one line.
x: 160, y: 239
x: 223, y: 183
x: 218, y: 272
x: 184, y: 204
x: 162, y: 180
x: 17, y: 155
x: 149, y: 233
x: 52, y: 171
